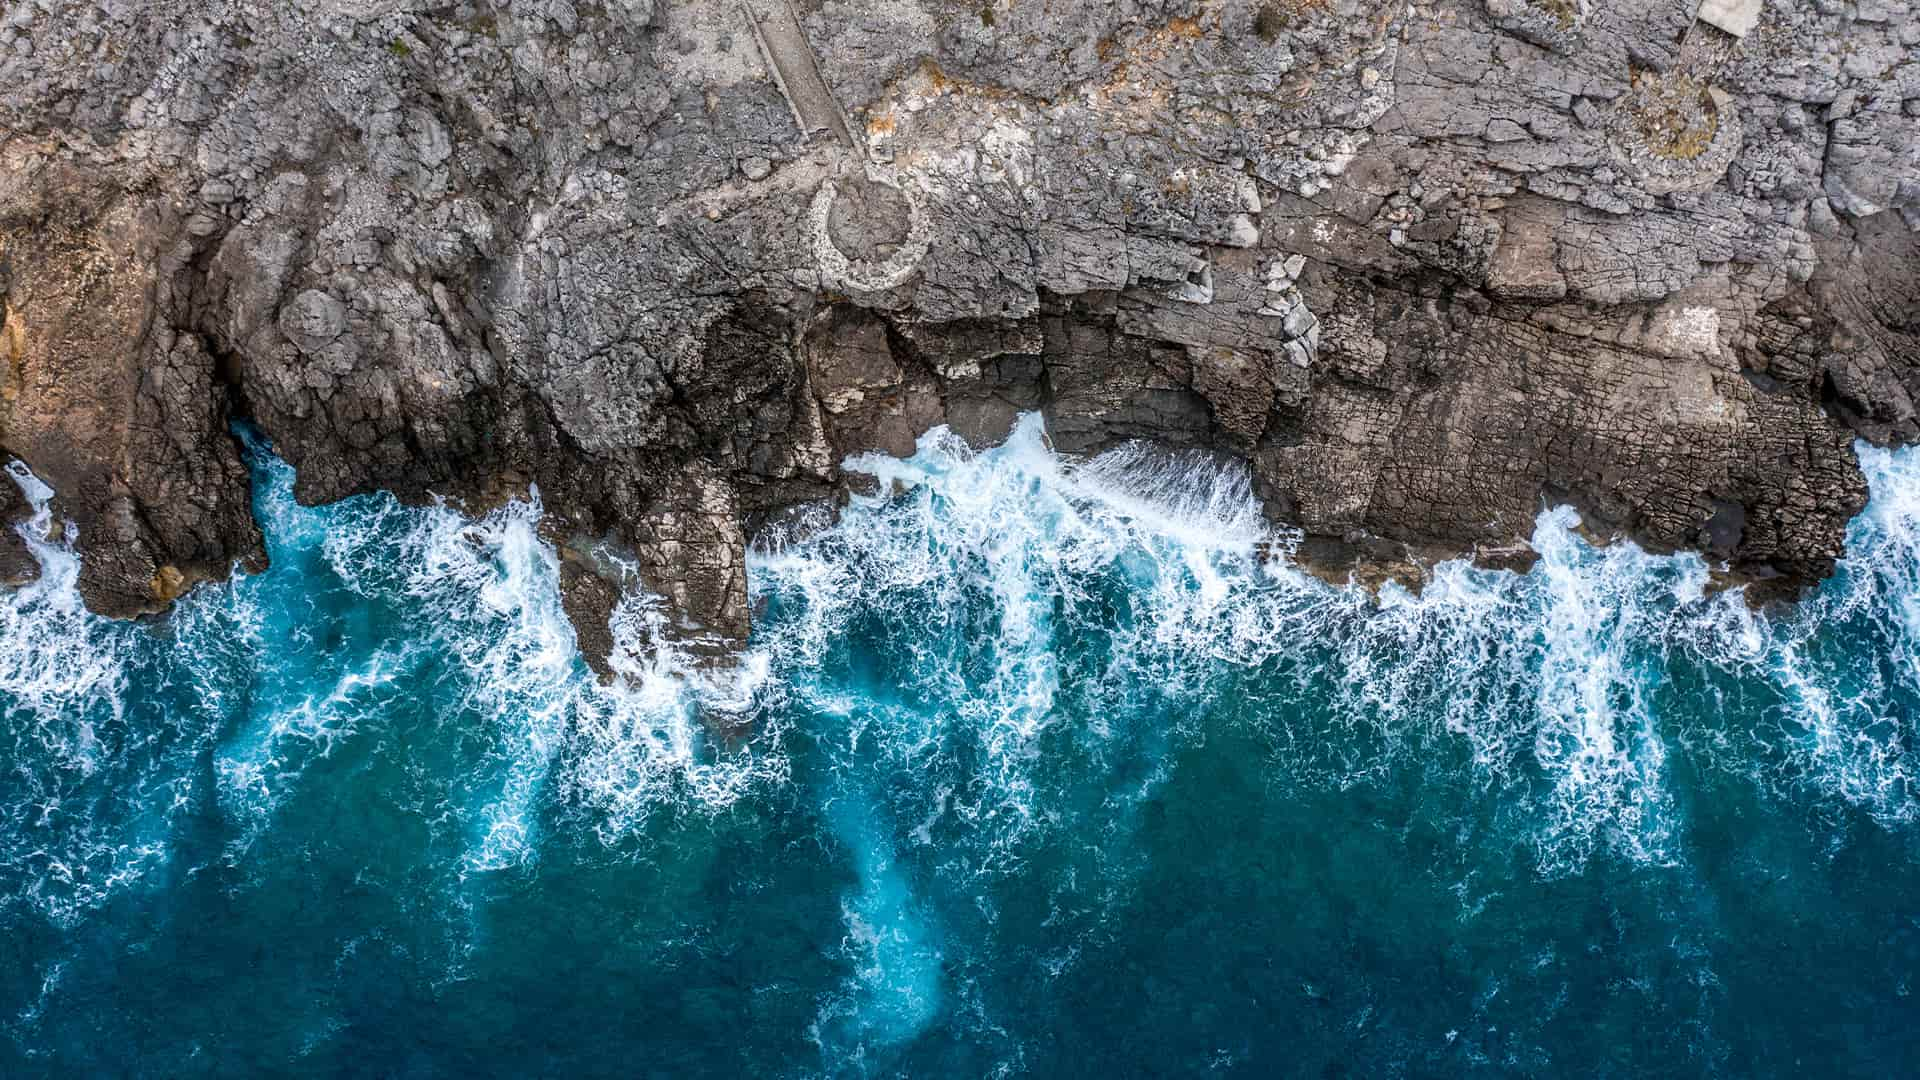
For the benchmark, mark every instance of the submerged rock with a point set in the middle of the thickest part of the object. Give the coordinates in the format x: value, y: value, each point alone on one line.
x: 1426, y: 267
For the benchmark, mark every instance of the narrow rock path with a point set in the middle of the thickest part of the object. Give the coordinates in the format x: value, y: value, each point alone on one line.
x: 794, y: 67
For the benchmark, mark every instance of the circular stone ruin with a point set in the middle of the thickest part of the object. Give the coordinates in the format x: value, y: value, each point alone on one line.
x: 869, y: 230
x: 1674, y: 132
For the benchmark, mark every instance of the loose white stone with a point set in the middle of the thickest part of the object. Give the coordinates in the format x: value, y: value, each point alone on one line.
x: 1736, y: 17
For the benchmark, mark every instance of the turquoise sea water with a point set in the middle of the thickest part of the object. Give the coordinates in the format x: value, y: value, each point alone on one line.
x: 1034, y: 768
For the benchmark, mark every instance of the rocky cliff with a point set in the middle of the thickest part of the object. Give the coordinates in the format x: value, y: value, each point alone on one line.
x: 1426, y: 265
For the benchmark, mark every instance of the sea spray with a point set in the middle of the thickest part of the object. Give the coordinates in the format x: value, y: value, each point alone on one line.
x: 481, y: 598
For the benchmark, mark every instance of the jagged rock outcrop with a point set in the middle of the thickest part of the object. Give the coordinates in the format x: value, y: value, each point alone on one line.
x: 1425, y: 265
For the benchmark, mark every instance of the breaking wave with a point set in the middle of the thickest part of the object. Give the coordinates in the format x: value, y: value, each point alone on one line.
x: 987, y: 671
x: 85, y: 801
x: 1024, y: 608
x: 375, y: 621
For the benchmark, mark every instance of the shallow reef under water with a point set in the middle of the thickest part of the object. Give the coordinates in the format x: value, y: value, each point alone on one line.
x: 1053, y: 768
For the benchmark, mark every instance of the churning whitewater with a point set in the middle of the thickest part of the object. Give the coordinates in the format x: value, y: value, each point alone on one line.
x: 1033, y: 766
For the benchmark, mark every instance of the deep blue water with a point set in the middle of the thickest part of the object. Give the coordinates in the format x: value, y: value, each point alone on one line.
x: 1052, y: 770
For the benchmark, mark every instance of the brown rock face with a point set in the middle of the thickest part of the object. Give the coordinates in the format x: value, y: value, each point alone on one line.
x: 1428, y: 268
x: 867, y: 400
x: 112, y: 406
x: 1460, y: 432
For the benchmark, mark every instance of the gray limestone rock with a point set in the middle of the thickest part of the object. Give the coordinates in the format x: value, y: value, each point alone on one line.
x: 1427, y: 266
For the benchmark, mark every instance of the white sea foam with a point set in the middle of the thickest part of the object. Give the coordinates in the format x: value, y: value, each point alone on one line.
x: 997, y: 563
x: 641, y: 744
x: 993, y: 625
x: 85, y: 801
x: 56, y: 660
x: 488, y: 597
x: 1847, y: 661
x: 370, y: 604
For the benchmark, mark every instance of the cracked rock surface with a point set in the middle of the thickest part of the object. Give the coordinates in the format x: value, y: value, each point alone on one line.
x: 1427, y: 266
